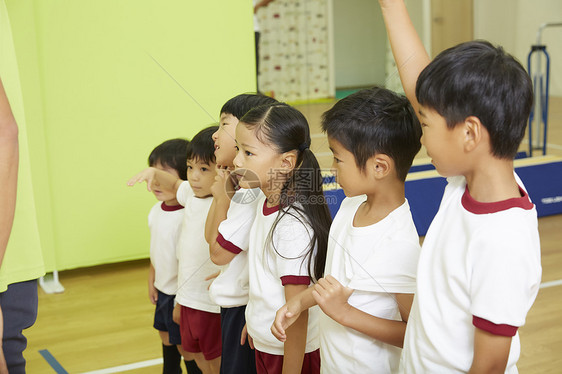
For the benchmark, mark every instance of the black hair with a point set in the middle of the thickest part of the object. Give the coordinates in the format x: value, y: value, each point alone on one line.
x: 286, y: 129
x: 479, y: 79
x: 241, y: 104
x: 202, y: 146
x: 172, y: 153
x: 375, y: 120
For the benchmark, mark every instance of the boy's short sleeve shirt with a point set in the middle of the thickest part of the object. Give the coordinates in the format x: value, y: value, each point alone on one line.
x: 165, y: 223
x: 230, y: 289
x: 479, y: 268
x: 377, y: 261
x: 194, y: 262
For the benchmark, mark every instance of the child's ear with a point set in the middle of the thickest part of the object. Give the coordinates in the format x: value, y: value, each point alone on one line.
x: 473, y: 130
x: 381, y: 165
x: 288, y: 161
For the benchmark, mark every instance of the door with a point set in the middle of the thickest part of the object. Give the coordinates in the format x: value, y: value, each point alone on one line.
x: 451, y: 23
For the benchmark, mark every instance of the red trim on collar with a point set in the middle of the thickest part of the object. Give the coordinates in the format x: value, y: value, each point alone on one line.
x: 492, y: 328
x: 267, y: 210
x: 477, y: 207
x: 170, y: 208
x: 295, y: 279
x: 227, y: 245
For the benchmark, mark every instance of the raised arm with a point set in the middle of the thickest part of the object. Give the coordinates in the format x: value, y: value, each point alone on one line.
x: 9, y: 159
x: 332, y: 298
x: 217, y: 214
x: 408, y: 50
x: 157, y: 179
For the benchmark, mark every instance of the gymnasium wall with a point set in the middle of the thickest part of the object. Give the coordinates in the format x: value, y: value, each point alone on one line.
x: 514, y: 24
x: 100, y: 87
x: 359, y: 43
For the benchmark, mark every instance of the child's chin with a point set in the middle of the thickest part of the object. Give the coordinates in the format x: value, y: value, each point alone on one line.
x: 244, y: 184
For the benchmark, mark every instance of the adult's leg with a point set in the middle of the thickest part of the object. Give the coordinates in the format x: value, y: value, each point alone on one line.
x: 19, y: 306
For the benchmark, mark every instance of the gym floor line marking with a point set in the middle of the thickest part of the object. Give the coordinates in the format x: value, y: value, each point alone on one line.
x: 57, y: 367
x: 551, y: 284
x: 119, y: 369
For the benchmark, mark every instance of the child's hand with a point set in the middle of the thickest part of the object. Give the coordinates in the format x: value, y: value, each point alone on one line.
x: 147, y: 175
x: 243, y: 337
x: 152, y: 294
x: 211, y: 278
x: 223, y: 187
x: 332, y: 297
x: 284, y: 318
x: 176, y: 314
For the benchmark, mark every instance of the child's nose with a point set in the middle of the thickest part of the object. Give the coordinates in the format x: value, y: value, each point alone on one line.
x: 237, y: 160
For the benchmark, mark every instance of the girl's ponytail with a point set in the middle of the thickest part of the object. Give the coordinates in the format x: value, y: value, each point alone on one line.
x: 308, y: 189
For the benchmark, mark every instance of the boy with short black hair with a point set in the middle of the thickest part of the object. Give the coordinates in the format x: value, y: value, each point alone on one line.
x: 198, y: 315
x: 373, y: 246
x: 164, y: 221
x: 479, y: 269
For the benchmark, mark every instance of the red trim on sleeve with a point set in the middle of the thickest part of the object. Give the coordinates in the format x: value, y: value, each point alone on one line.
x: 227, y: 245
x: 492, y: 328
x: 170, y: 208
x: 477, y: 207
x: 295, y: 279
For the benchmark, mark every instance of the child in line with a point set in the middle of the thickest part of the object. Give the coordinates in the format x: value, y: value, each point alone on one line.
x: 227, y: 230
x: 288, y: 238
x: 199, y: 315
x: 373, y: 247
x: 479, y: 269
x: 164, y: 221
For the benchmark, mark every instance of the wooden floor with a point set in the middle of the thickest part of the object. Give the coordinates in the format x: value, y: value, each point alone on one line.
x: 103, y: 319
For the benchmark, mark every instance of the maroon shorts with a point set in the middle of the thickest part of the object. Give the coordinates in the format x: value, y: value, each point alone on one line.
x: 273, y: 364
x: 201, y: 332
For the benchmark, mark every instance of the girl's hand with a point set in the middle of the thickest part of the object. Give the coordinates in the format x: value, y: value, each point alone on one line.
x: 152, y: 294
x: 332, y: 298
x: 176, y: 314
x: 147, y: 175
x: 284, y: 318
x: 243, y: 338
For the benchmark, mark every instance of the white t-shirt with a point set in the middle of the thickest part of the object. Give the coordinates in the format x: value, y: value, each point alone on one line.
x: 164, y: 223
x: 479, y: 266
x: 193, y: 253
x: 230, y: 289
x: 377, y: 261
x: 271, y: 268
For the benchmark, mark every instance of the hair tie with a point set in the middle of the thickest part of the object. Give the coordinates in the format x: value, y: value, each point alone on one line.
x: 303, y: 147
